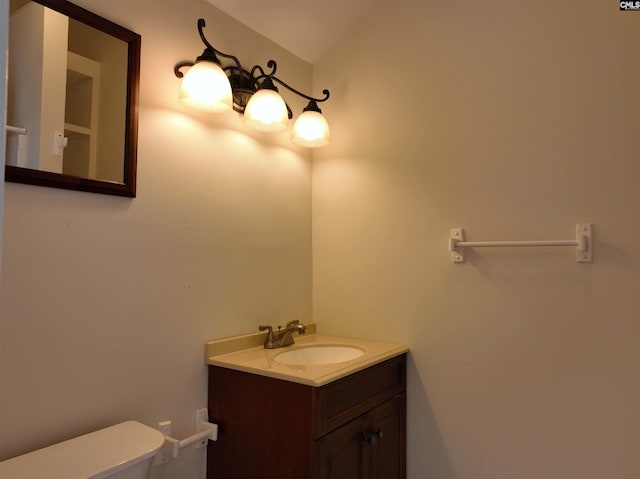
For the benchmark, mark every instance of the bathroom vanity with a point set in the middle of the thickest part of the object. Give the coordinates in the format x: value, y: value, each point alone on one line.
x: 314, y: 421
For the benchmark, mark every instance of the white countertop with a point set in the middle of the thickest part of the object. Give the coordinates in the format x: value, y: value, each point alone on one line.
x: 258, y: 360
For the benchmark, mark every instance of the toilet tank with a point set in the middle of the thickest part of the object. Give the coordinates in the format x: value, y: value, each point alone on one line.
x: 123, y: 451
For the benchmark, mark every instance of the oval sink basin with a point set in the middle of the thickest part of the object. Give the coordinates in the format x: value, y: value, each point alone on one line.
x: 315, y: 355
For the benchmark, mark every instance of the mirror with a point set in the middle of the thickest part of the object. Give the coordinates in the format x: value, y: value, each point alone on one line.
x: 72, y: 106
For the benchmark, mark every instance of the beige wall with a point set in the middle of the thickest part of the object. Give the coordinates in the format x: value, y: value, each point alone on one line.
x: 512, y: 120
x: 217, y: 241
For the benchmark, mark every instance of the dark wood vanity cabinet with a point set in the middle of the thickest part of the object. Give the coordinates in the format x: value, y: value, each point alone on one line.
x: 352, y: 428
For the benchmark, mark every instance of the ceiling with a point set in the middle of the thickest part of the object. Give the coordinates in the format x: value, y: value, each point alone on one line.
x: 307, y: 28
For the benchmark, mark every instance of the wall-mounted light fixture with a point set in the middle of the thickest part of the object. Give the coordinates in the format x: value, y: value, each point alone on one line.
x: 210, y: 86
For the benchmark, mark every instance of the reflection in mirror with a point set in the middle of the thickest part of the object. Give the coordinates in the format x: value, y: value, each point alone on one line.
x: 73, y: 81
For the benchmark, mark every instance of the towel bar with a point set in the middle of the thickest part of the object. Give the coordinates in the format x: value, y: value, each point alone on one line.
x: 583, y: 243
x: 15, y: 129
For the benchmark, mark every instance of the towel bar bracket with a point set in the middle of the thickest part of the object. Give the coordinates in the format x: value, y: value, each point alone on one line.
x: 583, y: 244
x: 457, y: 253
x: 584, y: 236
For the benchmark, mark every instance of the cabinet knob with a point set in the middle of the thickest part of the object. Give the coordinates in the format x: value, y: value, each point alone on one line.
x: 373, y: 437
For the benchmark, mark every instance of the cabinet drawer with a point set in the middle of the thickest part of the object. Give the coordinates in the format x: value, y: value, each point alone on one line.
x: 341, y: 401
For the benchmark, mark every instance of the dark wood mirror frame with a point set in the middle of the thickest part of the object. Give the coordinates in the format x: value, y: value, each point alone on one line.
x: 58, y: 180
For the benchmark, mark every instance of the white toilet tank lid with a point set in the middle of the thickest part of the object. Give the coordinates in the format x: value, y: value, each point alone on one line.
x: 95, y: 455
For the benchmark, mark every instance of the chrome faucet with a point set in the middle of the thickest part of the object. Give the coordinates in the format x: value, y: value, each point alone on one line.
x: 282, y: 337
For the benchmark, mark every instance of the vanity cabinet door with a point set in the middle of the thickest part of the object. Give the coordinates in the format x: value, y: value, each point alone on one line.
x: 369, y: 447
x: 385, y: 441
x: 341, y: 454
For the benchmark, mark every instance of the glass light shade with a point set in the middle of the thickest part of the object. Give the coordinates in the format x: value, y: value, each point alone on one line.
x: 266, y: 111
x: 311, y: 130
x: 206, y: 87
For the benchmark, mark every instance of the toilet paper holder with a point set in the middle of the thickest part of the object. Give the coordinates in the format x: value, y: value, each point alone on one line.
x: 205, y: 431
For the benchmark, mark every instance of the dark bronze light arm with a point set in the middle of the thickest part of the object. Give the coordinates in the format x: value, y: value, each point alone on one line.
x: 243, y: 85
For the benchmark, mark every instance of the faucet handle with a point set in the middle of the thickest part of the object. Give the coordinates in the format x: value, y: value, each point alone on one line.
x: 270, y: 339
x: 265, y: 328
x: 293, y: 323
